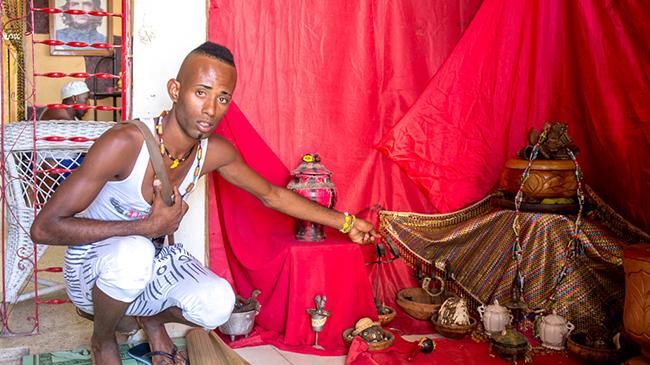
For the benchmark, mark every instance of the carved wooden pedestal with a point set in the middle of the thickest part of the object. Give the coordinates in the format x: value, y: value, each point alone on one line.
x: 636, y: 315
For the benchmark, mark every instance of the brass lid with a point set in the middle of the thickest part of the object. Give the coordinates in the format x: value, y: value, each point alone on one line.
x: 510, y: 338
x: 554, y: 319
x: 311, y: 165
x: 496, y: 308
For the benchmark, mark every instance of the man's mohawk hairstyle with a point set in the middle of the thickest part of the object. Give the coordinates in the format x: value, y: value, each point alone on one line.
x: 215, y: 50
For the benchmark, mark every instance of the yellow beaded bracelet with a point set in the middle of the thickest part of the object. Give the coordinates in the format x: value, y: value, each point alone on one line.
x: 349, y: 222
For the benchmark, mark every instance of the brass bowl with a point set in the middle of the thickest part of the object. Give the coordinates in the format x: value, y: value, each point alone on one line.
x: 455, y: 331
x: 372, y: 346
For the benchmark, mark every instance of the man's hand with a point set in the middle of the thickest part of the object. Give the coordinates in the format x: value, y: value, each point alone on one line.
x: 363, y: 232
x: 163, y: 219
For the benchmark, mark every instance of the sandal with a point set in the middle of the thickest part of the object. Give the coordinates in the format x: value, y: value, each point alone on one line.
x: 143, y: 354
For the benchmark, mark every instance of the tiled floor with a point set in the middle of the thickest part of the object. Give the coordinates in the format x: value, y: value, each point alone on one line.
x: 269, y: 355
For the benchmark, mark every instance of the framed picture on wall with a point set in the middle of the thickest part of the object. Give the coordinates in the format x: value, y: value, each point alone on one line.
x: 84, y: 28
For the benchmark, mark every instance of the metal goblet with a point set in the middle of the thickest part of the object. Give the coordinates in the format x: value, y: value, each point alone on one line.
x: 318, y: 319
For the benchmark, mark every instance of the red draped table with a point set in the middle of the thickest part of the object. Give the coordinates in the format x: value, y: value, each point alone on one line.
x: 254, y: 248
x: 334, y: 268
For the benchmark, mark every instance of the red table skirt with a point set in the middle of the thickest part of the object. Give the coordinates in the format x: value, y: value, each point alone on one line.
x: 335, y: 269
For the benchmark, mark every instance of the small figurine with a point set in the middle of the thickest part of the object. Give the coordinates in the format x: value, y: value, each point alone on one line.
x: 554, y: 143
x: 517, y: 288
x: 320, y: 303
x: 246, y: 304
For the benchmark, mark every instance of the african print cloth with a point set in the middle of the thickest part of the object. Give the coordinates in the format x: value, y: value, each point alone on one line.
x: 82, y: 356
x: 477, y: 242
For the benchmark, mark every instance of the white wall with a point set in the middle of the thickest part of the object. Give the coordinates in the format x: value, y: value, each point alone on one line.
x: 164, y: 31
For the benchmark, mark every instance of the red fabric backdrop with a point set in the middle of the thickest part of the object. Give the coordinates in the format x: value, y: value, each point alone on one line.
x: 349, y: 79
x: 333, y: 77
x: 329, y: 78
x: 520, y: 64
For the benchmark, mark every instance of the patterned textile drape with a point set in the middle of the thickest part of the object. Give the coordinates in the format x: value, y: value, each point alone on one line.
x: 477, y: 242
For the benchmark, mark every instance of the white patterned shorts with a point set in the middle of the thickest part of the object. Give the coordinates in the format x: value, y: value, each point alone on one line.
x: 129, y: 269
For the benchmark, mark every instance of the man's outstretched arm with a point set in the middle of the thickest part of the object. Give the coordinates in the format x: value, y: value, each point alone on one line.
x: 237, y: 172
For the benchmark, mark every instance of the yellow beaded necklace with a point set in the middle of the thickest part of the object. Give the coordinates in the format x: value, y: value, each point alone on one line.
x: 176, y: 161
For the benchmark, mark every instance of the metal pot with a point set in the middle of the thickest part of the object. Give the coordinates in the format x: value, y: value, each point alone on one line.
x: 239, y: 324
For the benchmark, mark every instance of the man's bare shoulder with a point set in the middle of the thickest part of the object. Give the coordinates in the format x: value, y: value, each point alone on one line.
x: 220, y: 143
x: 115, y: 152
x: 122, y: 135
x: 122, y: 142
x: 220, y: 152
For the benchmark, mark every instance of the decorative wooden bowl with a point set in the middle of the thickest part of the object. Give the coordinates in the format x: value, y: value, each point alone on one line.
x: 575, y: 346
x: 388, y: 316
x: 372, y: 346
x: 547, y: 179
x: 455, y: 331
x: 418, y: 304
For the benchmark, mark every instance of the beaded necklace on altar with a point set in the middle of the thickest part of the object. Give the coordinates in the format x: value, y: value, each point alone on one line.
x: 177, y: 161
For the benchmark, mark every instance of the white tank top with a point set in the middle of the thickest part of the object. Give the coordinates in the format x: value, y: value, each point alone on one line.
x: 123, y: 200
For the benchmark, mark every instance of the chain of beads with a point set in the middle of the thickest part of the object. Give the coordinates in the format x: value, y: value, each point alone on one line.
x: 197, y: 171
x: 575, y: 246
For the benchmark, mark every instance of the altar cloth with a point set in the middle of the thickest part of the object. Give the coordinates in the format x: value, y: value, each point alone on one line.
x: 477, y: 243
